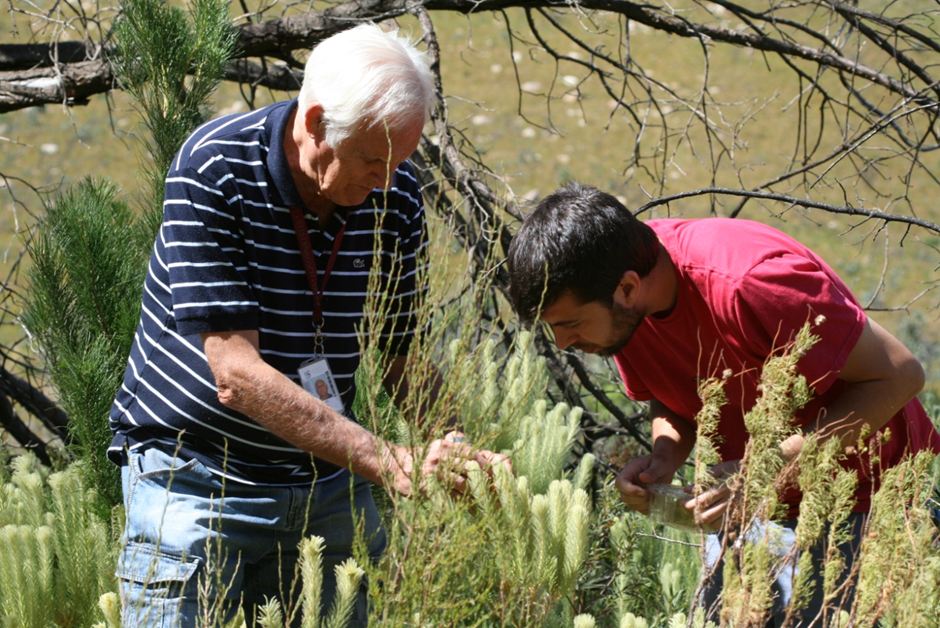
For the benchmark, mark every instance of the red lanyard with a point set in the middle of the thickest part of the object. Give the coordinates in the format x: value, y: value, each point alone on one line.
x: 310, y: 262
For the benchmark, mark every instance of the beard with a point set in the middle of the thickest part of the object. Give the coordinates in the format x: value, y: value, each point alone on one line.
x: 624, y: 322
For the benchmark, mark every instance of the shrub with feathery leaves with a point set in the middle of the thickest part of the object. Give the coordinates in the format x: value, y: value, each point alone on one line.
x: 171, y: 61
x: 80, y: 313
x: 89, y: 255
x: 56, y: 554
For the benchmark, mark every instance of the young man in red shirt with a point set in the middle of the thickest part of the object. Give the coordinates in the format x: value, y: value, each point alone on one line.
x: 678, y: 301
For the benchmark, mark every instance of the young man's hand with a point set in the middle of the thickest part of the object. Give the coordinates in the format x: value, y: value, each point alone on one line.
x: 710, y: 507
x: 648, y: 469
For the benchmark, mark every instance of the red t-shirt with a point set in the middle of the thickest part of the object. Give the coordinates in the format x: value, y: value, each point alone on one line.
x: 745, y: 290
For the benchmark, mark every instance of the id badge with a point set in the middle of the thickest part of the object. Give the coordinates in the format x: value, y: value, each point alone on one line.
x: 317, y: 379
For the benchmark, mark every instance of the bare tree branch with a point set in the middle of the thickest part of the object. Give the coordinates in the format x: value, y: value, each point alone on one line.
x: 859, y: 89
x: 482, y: 202
x: 35, y: 401
x: 31, y: 56
x: 68, y: 83
x: 790, y: 200
x: 280, y: 36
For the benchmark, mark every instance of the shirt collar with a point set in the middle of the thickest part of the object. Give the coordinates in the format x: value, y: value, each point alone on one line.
x: 275, y: 126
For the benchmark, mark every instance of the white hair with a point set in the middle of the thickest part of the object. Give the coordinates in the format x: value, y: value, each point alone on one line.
x: 365, y: 76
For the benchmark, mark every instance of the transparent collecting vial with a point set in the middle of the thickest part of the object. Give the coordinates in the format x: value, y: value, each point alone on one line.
x: 667, y: 506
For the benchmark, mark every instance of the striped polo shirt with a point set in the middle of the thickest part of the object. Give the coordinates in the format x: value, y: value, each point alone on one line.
x: 227, y: 258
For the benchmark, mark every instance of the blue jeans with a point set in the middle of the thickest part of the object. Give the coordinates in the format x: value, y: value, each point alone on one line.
x: 196, y: 547
x: 782, y: 539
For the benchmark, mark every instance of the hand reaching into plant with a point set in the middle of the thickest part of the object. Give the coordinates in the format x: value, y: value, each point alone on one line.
x: 445, y: 459
x: 463, y: 452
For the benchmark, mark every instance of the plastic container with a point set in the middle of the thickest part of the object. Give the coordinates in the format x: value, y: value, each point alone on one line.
x: 667, y: 506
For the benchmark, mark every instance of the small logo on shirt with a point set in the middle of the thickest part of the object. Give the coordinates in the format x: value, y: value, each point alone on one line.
x: 359, y: 263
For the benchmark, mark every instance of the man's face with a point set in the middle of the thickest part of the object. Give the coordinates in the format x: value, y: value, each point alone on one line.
x: 591, y: 327
x: 365, y: 160
x: 323, y: 391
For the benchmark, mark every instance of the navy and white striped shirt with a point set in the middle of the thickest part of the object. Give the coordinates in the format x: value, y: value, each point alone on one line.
x: 227, y: 258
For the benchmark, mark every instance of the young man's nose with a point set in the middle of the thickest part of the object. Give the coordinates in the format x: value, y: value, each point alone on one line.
x: 564, y: 338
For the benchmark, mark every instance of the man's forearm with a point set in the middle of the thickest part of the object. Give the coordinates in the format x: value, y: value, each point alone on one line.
x: 252, y: 387
x: 673, y: 437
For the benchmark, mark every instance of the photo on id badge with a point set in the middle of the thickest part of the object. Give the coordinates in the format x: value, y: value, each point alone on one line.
x: 317, y: 379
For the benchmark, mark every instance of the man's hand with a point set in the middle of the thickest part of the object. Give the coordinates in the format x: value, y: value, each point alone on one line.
x: 710, y: 507
x: 647, y: 469
x: 445, y: 459
x: 673, y: 439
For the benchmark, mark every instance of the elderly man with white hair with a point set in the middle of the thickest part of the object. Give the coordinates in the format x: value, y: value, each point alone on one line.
x: 273, y: 220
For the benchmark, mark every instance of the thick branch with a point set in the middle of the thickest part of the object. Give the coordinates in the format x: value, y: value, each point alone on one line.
x: 31, y: 56
x: 74, y: 83
x: 272, y: 76
x: 303, y: 31
x: 69, y: 83
x: 34, y: 401
x: 20, y: 432
x: 279, y: 36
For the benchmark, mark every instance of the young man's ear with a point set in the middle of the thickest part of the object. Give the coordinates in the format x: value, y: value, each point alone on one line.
x: 628, y: 290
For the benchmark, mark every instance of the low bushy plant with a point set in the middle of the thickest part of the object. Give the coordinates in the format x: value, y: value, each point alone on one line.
x: 56, y: 554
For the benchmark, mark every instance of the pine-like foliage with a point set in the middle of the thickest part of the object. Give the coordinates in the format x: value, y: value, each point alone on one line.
x: 509, y: 551
x: 646, y: 573
x: 899, y: 570
x: 501, y: 556
x: 170, y: 61
x: 89, y: 255
x: 82, y: 312
x: 896, y: 570
x: 747, y: 587
x: 507, y: 391
x: 505, y: 554
x: 56, y: 554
